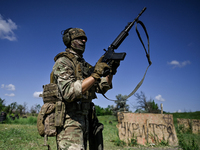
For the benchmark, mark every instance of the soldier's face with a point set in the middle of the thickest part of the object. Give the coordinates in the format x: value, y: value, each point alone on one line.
x: 78, y: 44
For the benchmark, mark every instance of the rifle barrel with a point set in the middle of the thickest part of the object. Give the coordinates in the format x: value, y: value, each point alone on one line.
x: 124, y: 33
x: 132, y: 23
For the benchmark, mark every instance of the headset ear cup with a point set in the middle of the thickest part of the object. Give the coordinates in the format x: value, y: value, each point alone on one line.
x: 66, y: 39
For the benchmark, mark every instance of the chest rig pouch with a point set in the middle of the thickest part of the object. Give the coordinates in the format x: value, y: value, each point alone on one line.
x: 81, y: 71
x: 85, y: 67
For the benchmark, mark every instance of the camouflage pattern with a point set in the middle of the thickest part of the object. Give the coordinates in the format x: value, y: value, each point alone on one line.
x: 46, y: 119
x: 72, y: 33
x: 69, y: 73
x: 69, y: 78
x: 74, y: 132
x: 99, y: 69
x: 76, y: 32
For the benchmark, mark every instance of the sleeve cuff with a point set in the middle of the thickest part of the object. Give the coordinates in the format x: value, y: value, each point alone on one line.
x: 78, y: 88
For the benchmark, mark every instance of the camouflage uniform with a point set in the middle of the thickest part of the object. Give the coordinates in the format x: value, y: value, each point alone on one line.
x: 69, y: 71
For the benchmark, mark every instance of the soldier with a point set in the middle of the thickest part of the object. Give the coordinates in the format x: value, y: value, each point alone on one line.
x: 78, y: 87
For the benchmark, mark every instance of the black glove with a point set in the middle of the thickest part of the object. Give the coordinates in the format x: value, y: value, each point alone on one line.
x: 114, y: 65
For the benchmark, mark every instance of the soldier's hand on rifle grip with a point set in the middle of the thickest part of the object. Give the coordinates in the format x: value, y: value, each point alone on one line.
x: 114, y: 65
x: 100, y: 69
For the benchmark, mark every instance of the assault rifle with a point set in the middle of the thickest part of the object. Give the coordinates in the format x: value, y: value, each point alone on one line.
x: 110, y: 54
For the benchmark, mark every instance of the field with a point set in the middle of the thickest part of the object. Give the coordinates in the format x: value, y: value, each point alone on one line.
x: 22, y: 134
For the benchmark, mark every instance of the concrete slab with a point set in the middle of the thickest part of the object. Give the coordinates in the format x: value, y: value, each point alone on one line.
x: 148, y: 128
x: 195, y: 123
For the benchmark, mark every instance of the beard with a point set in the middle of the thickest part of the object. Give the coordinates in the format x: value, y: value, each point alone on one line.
x: 78, y: 46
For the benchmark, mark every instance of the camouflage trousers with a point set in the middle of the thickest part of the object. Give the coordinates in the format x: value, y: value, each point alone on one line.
x: 74, y: 134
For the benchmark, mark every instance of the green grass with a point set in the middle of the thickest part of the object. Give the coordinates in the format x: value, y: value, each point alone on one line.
x: 187, y: 140
x: 22, y: 137
x: 30, y: 120
x: 22, y: 134
x: 110, y: 132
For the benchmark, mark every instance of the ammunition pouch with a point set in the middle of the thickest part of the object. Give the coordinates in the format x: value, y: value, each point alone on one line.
x: 52, y: 112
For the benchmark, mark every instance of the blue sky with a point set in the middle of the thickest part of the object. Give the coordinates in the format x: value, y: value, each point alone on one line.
x: 30, y: 37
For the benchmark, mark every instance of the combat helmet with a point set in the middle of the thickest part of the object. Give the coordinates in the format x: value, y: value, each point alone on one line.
x: 72, y: 33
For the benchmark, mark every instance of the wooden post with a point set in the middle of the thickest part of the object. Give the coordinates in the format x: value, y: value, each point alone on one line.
x: 161, y: 106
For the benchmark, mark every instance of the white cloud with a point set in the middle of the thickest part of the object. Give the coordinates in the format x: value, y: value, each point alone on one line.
x: 178, y: 111
x: 159, y: 98
x: 2, y: 86
x: 11, y: 95
x: 9, y: 87
x: 176, y: 63
x: 6, y: 29
x: 36, y: 94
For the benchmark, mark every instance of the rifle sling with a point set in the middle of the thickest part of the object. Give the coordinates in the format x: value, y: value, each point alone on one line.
x: 145, y: 30
x: 147, y: 55
x: 133, y: 92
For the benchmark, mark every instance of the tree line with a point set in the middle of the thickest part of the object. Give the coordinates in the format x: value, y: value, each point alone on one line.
x: 20, y: 109
x: 143, y: 105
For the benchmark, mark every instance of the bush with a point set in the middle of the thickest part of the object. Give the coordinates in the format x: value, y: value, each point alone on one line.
x: 119, y: 142
x: 102, y: 111
x: 186, y: 142
x: 133, y: 141
x: 189, y: 145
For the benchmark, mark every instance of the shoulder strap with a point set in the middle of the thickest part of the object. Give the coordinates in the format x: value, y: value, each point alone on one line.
x: 66, y: 54
x: 63, y: 54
